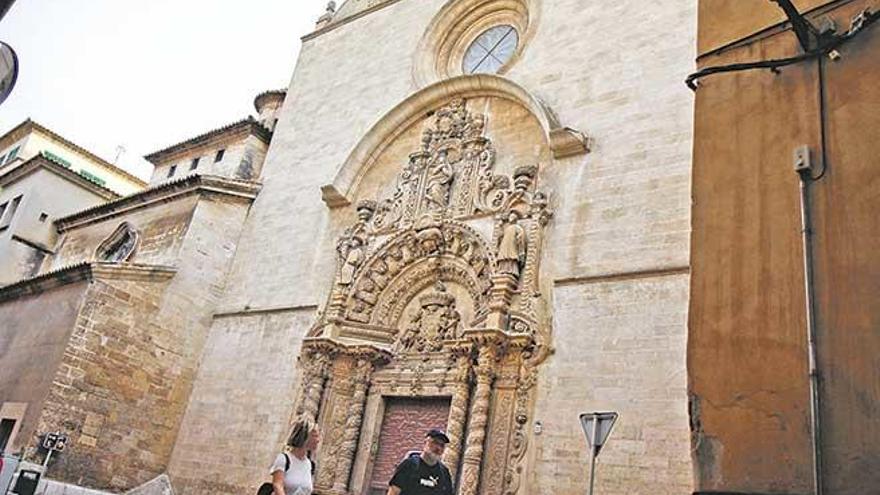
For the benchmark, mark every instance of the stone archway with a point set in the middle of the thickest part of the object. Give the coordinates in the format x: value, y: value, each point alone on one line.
x: 562, y: 140
x: 435, y: 296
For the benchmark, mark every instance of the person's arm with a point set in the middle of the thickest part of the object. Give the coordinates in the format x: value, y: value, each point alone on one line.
x: 278, y: 482
x: 398, y: 481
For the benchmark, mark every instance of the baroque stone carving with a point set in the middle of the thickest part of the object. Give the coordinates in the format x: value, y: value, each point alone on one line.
x: 479, y: 417
x: 450, y: 176
x: 442, y: 276
x: 436, y: 321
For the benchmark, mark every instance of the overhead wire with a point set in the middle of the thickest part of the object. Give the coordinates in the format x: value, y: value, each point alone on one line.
x: 860, y: 23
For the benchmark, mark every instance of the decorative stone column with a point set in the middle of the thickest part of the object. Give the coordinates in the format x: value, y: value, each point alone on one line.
x: 458, y: 407
x: 366, y: 360
x: 316, y: 367
x: 473, y: 451
x: 500, y: 296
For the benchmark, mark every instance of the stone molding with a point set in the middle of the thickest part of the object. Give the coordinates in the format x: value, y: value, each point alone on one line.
x: 342, y: 18
x: 85, y: 272
x: 563, y: 141
x: 203, y: 185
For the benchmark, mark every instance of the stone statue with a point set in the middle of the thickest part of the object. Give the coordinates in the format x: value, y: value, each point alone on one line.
x: 512, y: 246
x: 439, y: 181
x: 351, y: 252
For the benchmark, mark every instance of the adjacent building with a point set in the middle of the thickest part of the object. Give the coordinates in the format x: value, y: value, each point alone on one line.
x: 30, y: 139
x: 43, y: 177
x: 139, y: 276
x: 760, y: 135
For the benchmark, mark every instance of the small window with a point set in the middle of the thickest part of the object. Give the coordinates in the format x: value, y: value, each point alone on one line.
x: 172, y: 170
x: 3, y: 210
x: 219, y: 155
x: 491, y: 50
x: 43, y: 217
x: 13, y: 153
x: 2, y: 157
x: 7, y: 219
x: 195, y: 163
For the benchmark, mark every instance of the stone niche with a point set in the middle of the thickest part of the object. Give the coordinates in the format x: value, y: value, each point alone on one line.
x: 436, y: 297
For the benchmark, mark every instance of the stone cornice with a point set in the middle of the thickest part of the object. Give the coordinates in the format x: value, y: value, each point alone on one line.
x: 347, y: 19
x: 334, y: 347
x: 162, y: 193
x: 85, y: 272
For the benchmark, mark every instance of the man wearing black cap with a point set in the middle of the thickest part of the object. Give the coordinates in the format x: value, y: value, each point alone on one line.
x: 424, y: 474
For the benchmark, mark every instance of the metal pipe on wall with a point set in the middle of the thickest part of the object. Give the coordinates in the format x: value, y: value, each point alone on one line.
x: 812, y: 344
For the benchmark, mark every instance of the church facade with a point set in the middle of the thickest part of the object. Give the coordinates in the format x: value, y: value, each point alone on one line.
x: 493, y: 253
x: 472, y: 215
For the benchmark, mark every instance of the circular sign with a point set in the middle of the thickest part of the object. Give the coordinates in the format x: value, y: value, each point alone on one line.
x: 8, y: 70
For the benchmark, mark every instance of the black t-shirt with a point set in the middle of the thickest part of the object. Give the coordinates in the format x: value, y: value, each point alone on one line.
x: 415, y: 477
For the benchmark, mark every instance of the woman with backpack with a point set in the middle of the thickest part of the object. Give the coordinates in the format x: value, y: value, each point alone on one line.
x: 292, y: 470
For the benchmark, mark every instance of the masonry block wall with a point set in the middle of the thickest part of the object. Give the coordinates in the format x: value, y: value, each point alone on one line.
x: 116, y: 390
x: 124, y: 381
x: 32, y: 345
x: 242, y: 398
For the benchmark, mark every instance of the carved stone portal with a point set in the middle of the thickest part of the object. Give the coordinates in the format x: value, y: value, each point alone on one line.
x: 436, y: 294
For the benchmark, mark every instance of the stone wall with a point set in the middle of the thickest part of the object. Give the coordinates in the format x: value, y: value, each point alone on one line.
x: 125, y: 380
x: 161, y: 231
x: 33, y: 336
x: 242, y: 400
x: 620, y: 346
x: 117, y: 390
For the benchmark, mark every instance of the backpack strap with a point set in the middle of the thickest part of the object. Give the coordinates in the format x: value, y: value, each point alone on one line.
x: 286, y: 462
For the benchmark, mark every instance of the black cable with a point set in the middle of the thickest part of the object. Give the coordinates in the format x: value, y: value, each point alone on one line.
x: 693, y: 79
x: 823, y: 119
x: 860, y: 23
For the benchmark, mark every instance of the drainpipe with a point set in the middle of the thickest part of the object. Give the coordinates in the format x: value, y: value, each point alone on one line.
x: 803, y: 168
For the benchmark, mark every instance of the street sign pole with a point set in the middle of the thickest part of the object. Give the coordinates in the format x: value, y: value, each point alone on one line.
x: 597, y: 427
x: 593, y: 455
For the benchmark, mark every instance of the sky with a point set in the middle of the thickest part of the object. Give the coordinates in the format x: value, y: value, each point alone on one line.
x: 146, y: 74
